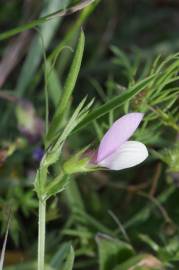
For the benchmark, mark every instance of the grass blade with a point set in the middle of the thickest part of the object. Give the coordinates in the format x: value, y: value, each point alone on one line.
x: 37, y: 47
x: 5, y: 242
x: 35, y: 23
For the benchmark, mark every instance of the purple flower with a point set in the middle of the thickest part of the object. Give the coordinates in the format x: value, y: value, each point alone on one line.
x: 38, y: 153
x: 115, y: 151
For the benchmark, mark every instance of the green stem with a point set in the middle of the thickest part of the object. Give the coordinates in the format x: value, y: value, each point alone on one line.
x: 41, y: 234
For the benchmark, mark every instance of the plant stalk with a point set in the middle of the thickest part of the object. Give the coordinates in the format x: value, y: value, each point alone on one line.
x: 41, y: 234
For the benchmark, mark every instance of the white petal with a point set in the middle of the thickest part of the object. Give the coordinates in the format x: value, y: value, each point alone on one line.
x: 129, y: 154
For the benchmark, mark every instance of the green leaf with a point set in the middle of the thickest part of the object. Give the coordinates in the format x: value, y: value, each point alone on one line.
x: 5, y: 242
x: 112, y: 252
x: 56, y: 186
x: 123, y: 60
x: 70, y: 260
x: 54, y: 86
x: 146, y: 239
x: 39, y: 44
x: 73, y: 195
x: 144, y: 214
x: 59, y: 257
x: 53, y: 152
x: 51, y: 16
x: 88, y: 220
x: 115, y: 102
x: 64, y: 258
x: 72, y: 36
x: 68, y: 89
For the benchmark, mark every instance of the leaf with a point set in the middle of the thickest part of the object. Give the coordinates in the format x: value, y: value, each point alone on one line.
x: 123, y: 60
x: 143, y: 215
x: 53, y: 151
x: 146, y: 239
x: 54, y: 86
x: 70, y: 260
x: 72, y: 36
x: 5, y: 242
x: 73, y: 195
x: 64, y: 258
x: 68, y: 89
x: 58, y: 259
x: 115, y: 102
x: 39, y: 44
x: 53, y: 15
x: 82, y: 217
x: 56, y: 186
x: 112, y: 252
x: 52, y: 154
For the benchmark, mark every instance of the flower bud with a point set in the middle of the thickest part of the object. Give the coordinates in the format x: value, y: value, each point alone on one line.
x: 79, y: 163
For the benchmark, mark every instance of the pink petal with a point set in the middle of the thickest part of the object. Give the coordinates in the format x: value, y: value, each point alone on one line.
x: 121, y: 131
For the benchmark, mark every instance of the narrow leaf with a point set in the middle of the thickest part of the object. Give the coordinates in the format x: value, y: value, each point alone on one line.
x: 56, y: 186
x: 68, y: 88
x: 112, y: 252
x: 115, y: 102
x: 70, y: 260
x: 38, y: 45
x: 35, y: 23
x: 5, y: 242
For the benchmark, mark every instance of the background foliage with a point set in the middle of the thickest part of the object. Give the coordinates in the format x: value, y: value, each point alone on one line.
x: 114, y: 220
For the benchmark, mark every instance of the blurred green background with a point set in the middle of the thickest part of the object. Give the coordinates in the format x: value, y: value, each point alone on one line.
x: 115, y: 220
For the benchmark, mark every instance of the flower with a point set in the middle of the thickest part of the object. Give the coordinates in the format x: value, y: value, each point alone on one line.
x: 115, y: 152
x: 38, y: 153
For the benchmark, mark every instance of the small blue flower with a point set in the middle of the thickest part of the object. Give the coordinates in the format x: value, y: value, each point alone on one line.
x: 38, y: 153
